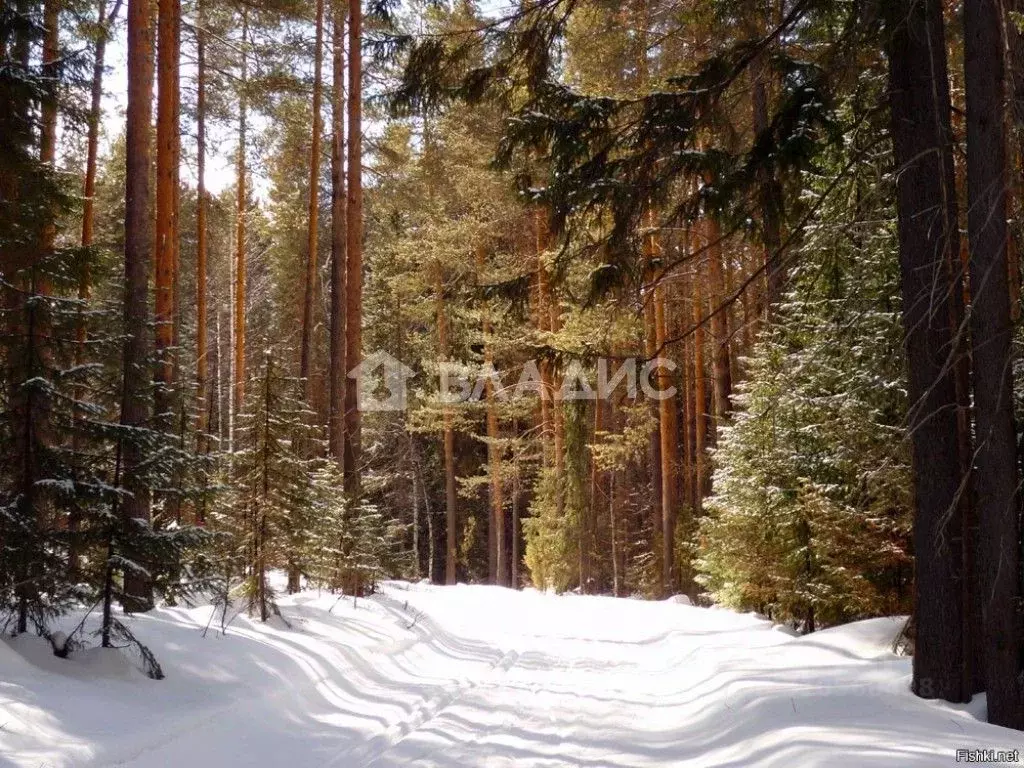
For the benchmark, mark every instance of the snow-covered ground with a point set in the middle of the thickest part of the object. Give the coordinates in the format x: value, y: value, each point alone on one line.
x: 480, y: 676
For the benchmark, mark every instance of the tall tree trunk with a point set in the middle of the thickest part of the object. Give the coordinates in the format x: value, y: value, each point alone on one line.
x: 995, y: 480
x: 700, y: 412
x: 339, y: 229
x: 589, y: 521
x: 238, y: 384
x: 668, y: 430
x: 541, y: 319
x: 135, y: 404
x: 104, y: 24
x: 88, y: 225
x: 494, y: 452
x: 202, y: 362
x: 516, y: 493
x: 1014, y: 12
x: 769, y: 190
x: 651, y: 351
x: 926, y: 205
x: 167, y: 191
x: 549, y: 306
x: 354, y: 259
x: 721, y: 364
x: 687, y: 433
x: 312, y: 241
x: 449, y: 440
x: 749, y: 302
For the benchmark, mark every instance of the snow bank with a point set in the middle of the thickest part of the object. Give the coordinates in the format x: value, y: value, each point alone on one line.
x: 480, y: 676
x: 868, y: 639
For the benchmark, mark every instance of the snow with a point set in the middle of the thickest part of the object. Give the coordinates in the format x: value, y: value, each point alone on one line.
x: 454, y: 677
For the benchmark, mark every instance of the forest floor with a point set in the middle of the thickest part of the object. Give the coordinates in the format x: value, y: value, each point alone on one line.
x: 480, y: 676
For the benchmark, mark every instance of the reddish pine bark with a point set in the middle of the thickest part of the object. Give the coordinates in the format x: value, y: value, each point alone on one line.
x: 312, y: 239
x: 339, y: 230
x: 135, y: 404
x: 354, y: 260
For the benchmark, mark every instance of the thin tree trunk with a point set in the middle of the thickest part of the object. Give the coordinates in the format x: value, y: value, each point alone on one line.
x: 339, y: 229
x: 749, y: 303
x: 687, y: 432
x: 138, y: 240
x: 448, y: 437
x: 700, y: 416
x: 414, y: 499
x: 669, y: 427
x: 651, y: 351
x: 494, y: 451
x: 431, y: 540
x: 721, y: 365
x: 995, y: 480
x: 541, y: 319
x: 238, y: 373
x: 92, y: 152
x: 354, y: 260
x: 926, y: 205
x: 167, y: 190
x: 769, y: 192
x: 202, y: 363
x: 312, y: 240
x: 516, y: 491
x: 88, y: 225
x: 549, y: 373
x: 592, y: 512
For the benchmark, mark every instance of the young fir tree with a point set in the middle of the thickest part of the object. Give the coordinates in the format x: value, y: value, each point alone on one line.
x: 810, y: 519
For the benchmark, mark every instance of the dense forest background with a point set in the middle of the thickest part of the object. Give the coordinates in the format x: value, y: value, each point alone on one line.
x: 807, y: 211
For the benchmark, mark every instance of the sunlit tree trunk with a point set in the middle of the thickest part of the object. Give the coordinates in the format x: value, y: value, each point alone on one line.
x: 88, y: 224
x: 668, y: 431
x: 700, y: 416
x: 448, y: 437
x: 238, y: 383
x: 312, y: 232
x: 770, y: 191
x: 135, y: 403
x: 167, y: 191
x: 354, y: 259
x: 202, y: 320
x: 721, y: 365
x: 494, y: 451
x: 598, y: 497
x: 339, y: 230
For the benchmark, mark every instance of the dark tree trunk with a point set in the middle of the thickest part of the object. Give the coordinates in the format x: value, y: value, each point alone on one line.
x: 995, y: 464
x: 339, y: 230
x: 928, y: 238
x: 88, y: 221
x: 135, y: 404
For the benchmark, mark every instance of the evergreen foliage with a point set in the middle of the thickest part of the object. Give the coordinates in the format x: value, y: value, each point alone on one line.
x: 810, y: 520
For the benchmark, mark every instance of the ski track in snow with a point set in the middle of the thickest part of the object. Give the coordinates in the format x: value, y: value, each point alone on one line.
x: 470, y: 676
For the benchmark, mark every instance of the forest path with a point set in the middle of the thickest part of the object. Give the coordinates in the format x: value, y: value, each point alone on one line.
x: 606, y: 684
x: 480, y: 677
